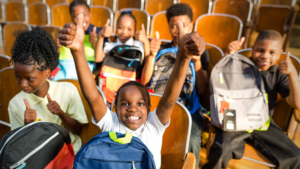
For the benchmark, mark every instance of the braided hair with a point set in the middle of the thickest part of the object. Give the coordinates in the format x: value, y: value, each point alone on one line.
x: 36, y: 46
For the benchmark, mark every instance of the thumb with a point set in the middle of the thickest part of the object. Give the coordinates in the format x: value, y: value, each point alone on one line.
x: 287, y: 56
x: 242, y: 40
x: 143, y: 28
x: 156, y: 34
x: 180, y: 29
x: 49, y: 98
x: 107, y: 22
x: 27, y: 104
x: 94, y: 29
x: 80, y: 21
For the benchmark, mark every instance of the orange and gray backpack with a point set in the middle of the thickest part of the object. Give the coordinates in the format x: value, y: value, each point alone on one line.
x: 122, y: 64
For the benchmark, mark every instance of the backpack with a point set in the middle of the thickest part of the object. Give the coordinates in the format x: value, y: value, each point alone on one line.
x: 114, y: 151
x: 37, y: 145
x: 237, y: 95
x: 163, y: 67
x: 122, y: 64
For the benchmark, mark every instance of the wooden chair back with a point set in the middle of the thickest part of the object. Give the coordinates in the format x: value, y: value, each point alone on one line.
x: 52, y: 3
x: 60, y: 15
x: 160, y: 23
x: 219, y: 29
x: 138, y: 4
x: 108, y: 3
x: 277, y: 2
x: 33, y: 1
x: 87, y: 130
x: 52, y: 30
x: 199, y: 7
x: 10, y: 32
x: 39, y: 14
x: 16, y: 11
x: 142, y: 17
x: 100, y: 14
x: 8, y: 89
x: 2, y: 11
x: 176, y: 137
x: 4, y: 61
x: 155, y: 6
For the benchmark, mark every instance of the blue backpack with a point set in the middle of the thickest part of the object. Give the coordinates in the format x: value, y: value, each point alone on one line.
x: 164, y: 64
x: 114, y: 151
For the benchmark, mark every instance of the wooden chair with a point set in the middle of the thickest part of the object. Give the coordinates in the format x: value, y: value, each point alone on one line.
x: 4, y: 61
x: 52, y: 3
x: 33, y: 1
x: 87, y: 130
x: 121, y: 4
x: 242, y: 9
x: 199, y: 7
x: 155, y: 6
x: 16, y: 11
x: 160, y: 23
x: 142, y: 17
x: 39, y: 14
x: 108, y: 3
x: 174, y: 152
x: 2, y: 11
x: 52, y: 30
x: 10, y: 32
x: 100, y: 14
x: 277, y: 2
x: 60, y: 15
x: 8, y: 89
x: 219, y: 29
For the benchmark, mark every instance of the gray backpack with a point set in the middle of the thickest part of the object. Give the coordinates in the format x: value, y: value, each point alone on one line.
x: 238, y: 100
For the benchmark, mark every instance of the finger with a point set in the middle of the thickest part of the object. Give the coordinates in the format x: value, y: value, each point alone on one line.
x: 242, y: 41
x: 180, y: 29
x: 80, y: 21
x: 65, y: 37
x: 94, y: 29
x: 68, y: 26
x: 107, y: 22
x: 143, y: 28
x: 156, y: 34
x: 49, y: 98
x: 287, y: 56
x: 65, y: 43
x: 193, y: 46
x: 27, y: 104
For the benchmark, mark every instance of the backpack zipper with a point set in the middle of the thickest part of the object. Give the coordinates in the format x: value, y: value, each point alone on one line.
x: 34, y: 151
x: 124, y: 58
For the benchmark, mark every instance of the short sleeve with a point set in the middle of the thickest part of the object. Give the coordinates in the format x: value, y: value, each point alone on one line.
x: 154, y: 121
x: 283, y: 85
x: 75, y: 107
x: 205, y: 60
x: 14, y: 118
x: 108, y: 122
x: 107, y: 47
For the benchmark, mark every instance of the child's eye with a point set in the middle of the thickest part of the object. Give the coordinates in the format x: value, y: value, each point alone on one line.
x: 124, y: 104
x: 140, y: 104
x: 30, y: 79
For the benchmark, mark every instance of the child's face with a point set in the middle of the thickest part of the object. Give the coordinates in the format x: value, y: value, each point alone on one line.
x: 76, y: 10
x: 132, y: 108
x: 265, y: 53
x: 30, y: 79
x: 125, y: 28
x: 187, y: 24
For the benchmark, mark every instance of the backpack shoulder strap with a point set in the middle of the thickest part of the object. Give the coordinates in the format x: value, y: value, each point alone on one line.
x: 167, y: 50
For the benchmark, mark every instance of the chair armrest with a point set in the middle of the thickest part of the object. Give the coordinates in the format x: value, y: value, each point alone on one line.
x: 297, y: 115
x: 189, y: 162
x: 5, y: 123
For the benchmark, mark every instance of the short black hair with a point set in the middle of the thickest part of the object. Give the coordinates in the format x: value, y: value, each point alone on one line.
x: 178, y: 10
x: 127, y: 13
x: 78, y: 2
x: 36, y: 46
x: 269, y: 35
x: 134, y: 83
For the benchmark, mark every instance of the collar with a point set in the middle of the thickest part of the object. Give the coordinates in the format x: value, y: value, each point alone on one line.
x: 128, y: 42
x: 34, y: 99
x: 136, y: 132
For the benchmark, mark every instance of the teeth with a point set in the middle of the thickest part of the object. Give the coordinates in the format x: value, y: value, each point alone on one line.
x: 84, y: 24
x: 133, y: 118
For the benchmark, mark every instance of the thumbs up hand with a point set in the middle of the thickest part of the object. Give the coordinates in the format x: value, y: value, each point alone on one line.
x: 235, y: 46
x: 286, y: 66
x: 155, y: 44
x: 141, y: 34
x: 53, y: 106
x: 72, y: 36
x: 106, y: 31
x: 30, y: 114
x: 93, y: 36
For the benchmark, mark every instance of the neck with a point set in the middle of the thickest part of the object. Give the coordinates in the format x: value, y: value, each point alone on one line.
x: 43, y: 90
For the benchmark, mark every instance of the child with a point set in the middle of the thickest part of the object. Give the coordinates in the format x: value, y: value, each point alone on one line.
x: 132, y: 100
x: 181, y: 12
x: 34, y: 55
x: 66, y: 63
x: 272, y: 143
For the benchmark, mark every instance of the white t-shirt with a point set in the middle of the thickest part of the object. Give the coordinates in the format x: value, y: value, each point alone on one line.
x: 109, y: 45
x: 150, y: 133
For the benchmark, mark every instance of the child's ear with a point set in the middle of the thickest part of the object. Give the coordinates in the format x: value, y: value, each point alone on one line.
x: 47, y: 73
x: 149, y: 107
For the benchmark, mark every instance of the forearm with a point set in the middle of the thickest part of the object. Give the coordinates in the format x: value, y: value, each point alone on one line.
x: 69, y: 123
x: 294, y: 95
x: 147, y: 70
x: 201, y: 78
x: 99, y: 49
x: 146, y: 47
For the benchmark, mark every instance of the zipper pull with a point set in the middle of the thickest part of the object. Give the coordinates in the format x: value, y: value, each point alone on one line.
x: 23, y: 164
x: 130, y: 64
x: 221, y: 79
x: 133, y: 167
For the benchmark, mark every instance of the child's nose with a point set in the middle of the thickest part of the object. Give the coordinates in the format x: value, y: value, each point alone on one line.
x: 23, y: 83
x: 132, y: 108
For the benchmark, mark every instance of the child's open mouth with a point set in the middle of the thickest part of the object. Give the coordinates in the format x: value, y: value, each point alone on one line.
x: 133, y: 118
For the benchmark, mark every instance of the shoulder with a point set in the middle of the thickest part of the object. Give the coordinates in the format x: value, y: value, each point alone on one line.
x: 17, y: 99
x: 64, y: 87
x: 167, y: 45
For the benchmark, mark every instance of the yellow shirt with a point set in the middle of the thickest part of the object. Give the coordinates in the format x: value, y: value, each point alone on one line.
x: 64, y: 93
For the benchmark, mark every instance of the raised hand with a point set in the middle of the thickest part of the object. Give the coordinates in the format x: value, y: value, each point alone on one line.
x: 53, y: 106
x: 155, y: 44
x: 106, y: 31
x: 72, y: 36
x: 235, y: 46
x: 93, y: 36
x: 191, y: 44
x: 141, y: 34
x: 286, y: 66
x: 30, y: 114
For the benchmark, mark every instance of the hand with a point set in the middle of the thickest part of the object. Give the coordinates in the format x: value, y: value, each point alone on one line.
x: 53, y: 106
x: 141, y: 34
x: 30, y: 114
x: 93, y: 36
x: 58, y: 44
x: 286, y: 66
x: 235, y: 46
x: 191, y: 44
x: 155, y: 44
x: 106, y: 31
x: 72, y: 36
